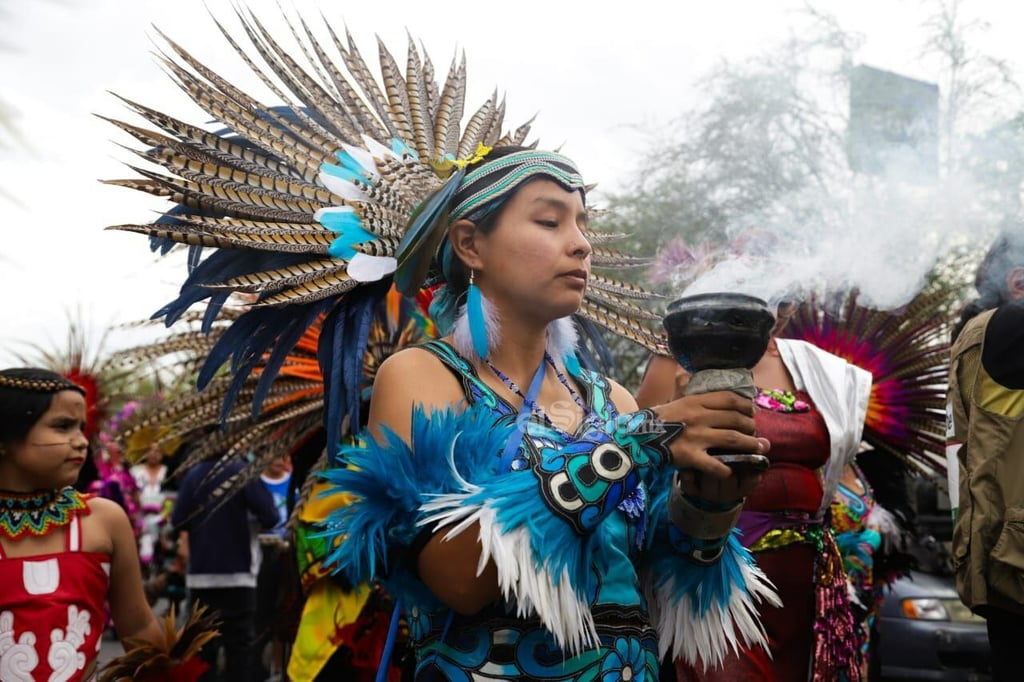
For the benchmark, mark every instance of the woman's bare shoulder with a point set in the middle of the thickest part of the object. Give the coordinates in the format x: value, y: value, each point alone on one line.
x: 620, y: 396
x: 414, y: 368
x: 411, y: 377
x: 410, y: 359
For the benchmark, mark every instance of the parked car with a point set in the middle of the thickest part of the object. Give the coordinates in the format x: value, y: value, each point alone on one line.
x: 924, y: 632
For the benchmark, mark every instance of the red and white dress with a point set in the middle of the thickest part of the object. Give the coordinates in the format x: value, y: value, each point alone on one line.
x: 52, y: 612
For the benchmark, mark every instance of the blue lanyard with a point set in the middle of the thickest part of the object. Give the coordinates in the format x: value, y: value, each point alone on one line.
x: 522, y: 419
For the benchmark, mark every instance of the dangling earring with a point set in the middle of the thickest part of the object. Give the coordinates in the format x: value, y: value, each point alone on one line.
x: 477, y: 321
x: 477, y: 328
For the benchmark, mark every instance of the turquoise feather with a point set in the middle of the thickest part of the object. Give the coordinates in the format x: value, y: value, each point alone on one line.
x: 477, y: 321
x: 348, y: 162
x: 342, y: 172
x: 350, y: 231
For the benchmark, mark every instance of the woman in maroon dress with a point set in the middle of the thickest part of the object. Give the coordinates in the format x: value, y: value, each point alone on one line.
x: 811, y: 407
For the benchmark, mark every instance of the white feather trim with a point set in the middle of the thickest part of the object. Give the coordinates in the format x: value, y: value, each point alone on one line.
x: 709, y: 638
x: 529, y: 586
x: 882, y: 520
x: 462, y: 338
x: 343, y: 188
x: 561, y: 334
x: 366, y: 268
x: 524, y: 581
x: 562, y: 338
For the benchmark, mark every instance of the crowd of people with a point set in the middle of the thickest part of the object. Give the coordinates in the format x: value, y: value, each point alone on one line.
x: 492, y: 504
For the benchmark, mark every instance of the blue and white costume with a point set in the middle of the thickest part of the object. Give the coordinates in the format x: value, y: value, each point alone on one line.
x: 576, y: 527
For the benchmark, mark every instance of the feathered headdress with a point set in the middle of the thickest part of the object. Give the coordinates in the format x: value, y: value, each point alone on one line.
x: 317, y: 202
x: 907, y: 352
x: 291, y: 402
x: 84, y: 361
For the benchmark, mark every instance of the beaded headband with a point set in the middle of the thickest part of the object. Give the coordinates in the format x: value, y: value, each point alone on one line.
x: 490, y: 182
x: 39, y: 385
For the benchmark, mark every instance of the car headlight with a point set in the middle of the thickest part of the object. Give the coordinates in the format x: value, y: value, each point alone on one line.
x: 929, y: 608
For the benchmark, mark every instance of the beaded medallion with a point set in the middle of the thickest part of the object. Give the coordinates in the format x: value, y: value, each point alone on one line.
x: 780, y: 401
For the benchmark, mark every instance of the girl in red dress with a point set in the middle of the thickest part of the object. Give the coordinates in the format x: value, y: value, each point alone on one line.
x: 62, y: 554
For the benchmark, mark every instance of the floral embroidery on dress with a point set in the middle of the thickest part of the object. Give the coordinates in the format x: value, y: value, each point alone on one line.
x: 17, y: 658
x: 64, y: 655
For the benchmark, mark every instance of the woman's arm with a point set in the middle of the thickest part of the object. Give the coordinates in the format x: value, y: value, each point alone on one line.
x: 128, y: 607
x: 446, y: 566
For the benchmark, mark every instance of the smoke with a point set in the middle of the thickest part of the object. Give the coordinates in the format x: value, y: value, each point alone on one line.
x: 880, y: 234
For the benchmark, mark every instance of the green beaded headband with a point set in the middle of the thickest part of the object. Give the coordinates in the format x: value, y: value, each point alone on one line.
x: 489, y: 182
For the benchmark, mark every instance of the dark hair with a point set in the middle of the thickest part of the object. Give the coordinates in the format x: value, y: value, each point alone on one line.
x: 1005, y: 254
x: 25, y: 395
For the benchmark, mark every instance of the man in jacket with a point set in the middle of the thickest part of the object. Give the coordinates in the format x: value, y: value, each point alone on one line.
x: 986, y: 434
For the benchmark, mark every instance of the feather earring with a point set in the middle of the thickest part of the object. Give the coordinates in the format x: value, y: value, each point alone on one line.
x: 477, y: 322
x: 476, y: 328
x: 561, y: 343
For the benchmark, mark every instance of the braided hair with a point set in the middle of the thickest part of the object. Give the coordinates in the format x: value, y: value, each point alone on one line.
x: 1005, y: 254
x: 25, y: 395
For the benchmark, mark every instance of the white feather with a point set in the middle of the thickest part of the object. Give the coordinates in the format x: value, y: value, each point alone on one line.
x: 524, y: 581
x: 365, y: 268
x: 321, y: 212
x: 343, y: 188
x: 707, y: 639
x: 562, y: 338
x: 376, y: 149
x: 364, y: 159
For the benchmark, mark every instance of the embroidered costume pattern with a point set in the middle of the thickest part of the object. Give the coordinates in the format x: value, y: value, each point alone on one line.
x: 572, y: 601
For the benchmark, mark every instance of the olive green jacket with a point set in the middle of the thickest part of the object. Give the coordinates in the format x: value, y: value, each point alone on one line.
x: 988, y: 537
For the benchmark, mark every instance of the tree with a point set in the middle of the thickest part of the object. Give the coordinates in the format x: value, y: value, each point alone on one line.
x: 973, y: 83
x: 767, y: 150
x: 763, y: 133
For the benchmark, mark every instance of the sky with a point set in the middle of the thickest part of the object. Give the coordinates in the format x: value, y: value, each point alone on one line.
x: 605, y: 79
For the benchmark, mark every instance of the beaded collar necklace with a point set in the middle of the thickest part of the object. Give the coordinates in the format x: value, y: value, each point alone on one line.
x: 531, y: 404
x: 38, y: 513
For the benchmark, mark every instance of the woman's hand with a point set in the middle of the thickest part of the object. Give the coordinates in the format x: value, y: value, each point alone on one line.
x: 726, y: 491
x: 719, y: 420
